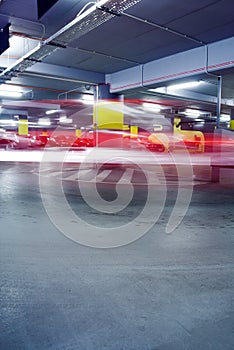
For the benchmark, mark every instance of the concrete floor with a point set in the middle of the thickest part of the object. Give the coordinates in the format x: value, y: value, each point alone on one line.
x: 162, y: 292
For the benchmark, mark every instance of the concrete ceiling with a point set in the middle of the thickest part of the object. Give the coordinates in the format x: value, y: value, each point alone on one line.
x: 141, y: 39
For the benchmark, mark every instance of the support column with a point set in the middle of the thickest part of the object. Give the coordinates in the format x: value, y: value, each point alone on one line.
x: 23, y: 125
x: 133, y: 131
x: 219, y: 97
x: 215, y: 169
x: 232, y: 120
x: 108, y: 109
x: 107, y: 115
x: 78, y: 133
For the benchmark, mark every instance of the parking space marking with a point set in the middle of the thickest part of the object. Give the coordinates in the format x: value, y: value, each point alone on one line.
x: 108, y: 176
x: 102, y: 175
x: 127, y: 176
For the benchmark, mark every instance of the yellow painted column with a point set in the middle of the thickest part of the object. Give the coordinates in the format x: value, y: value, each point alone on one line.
x: 108, y: 115
x: 78, y: 133
x: 108, y: 110
x: 23, y: 125
x: 133, y: 131
x: 232, y: 120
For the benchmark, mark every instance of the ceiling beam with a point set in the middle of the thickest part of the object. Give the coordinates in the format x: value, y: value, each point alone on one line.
x: 66, y: 73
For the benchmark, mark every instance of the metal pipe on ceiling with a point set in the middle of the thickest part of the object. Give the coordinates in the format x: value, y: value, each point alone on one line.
x: 167, y: 29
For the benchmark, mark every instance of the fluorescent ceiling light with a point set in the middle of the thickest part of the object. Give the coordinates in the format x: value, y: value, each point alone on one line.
x: 87, y: 99
x: 44, y: 121
x: 151, y: 106
x: 11, y: 94
x: 192, y: 112
x: 7, y: 90
x: 184, y: 85
x: 52, y: 111
x: 64, y: 120
x: 9, y: 122
x: 9, y: 87
x: 161, y: 90
x: 225, y: 117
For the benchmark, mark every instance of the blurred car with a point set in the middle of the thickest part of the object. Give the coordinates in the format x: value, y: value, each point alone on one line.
x: 7, y: 139
x: 25, y: 142
x: 83, y: 142
x: 41, y: 140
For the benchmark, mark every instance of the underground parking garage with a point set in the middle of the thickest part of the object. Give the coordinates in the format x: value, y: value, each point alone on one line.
x: 117, y: 175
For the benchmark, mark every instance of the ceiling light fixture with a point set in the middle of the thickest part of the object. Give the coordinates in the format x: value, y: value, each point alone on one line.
x: 7, y: 90
x: 52, y: 111
x: 87, y: 99
x: 12, y: 94
x: 151, y: 106
x: 44, y: 122
x: 184, y: 85
x: 192, y: 112
x: 225, y: 117
x: 8, y: 122
x: 65, y: 120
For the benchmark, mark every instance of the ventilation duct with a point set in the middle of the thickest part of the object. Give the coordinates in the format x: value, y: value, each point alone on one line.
x: 90, y: 19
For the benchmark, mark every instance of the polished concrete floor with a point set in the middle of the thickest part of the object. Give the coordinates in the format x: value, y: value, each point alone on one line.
x: 161, y: 292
